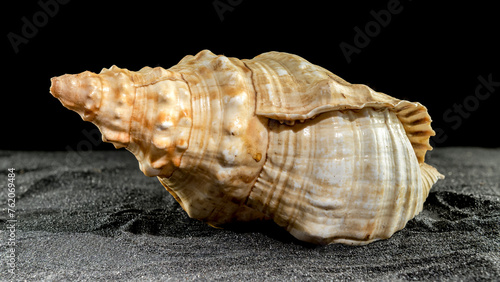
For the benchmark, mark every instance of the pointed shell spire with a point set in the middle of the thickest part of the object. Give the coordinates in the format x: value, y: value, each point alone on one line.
x: 148, y: 112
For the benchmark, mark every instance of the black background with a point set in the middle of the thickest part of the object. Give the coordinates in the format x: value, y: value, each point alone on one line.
x: 429, y: 52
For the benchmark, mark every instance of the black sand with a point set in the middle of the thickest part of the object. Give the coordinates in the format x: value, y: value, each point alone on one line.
x: 96, y: 216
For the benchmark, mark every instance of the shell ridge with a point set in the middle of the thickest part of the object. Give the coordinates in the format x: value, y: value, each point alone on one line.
x: 270, y: 178
x: 192, y: 123
x: 254, y: 89
x: 357, y: 170
x: 139, y: 138
x: 407, y: 206
x: 204, y: 106
x: 179, y: 181
x: 374, y: 229
x: 131, y: 120
x: 379, y: 136
x: 418, y: 131
x: 266, y: 157
x: 385, y: 228
x: 146, y: 84
x: 273, y: 95
x: 281, y: 177
x: 301, y: 195
x: 397, y: 164
x: 289, y: 71
x: 413, y: 195
x: 220, y: 87
x: 160, y: 105
x: 430, y: 175
x: 98, y: 105
x: 253, y: 81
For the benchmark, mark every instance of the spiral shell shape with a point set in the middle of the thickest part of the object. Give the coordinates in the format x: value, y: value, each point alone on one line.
x: 274, y: 137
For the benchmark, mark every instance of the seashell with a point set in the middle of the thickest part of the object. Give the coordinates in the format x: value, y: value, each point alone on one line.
x: 274, y: 137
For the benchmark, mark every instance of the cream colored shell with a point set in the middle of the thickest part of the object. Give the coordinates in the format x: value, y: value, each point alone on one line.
x: 274, y: 137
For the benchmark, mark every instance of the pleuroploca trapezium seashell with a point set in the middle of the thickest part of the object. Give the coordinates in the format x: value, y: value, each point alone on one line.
x: 274, y: 137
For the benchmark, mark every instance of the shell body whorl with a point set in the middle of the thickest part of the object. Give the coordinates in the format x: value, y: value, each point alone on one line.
x: 359, y: 184
x: 228, y: 141
x: 272, y: 137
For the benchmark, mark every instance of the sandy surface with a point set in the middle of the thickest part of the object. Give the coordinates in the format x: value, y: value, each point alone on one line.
x: 96, y: 216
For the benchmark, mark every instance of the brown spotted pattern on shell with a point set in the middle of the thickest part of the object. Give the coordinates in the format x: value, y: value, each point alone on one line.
x: 274, y: 137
